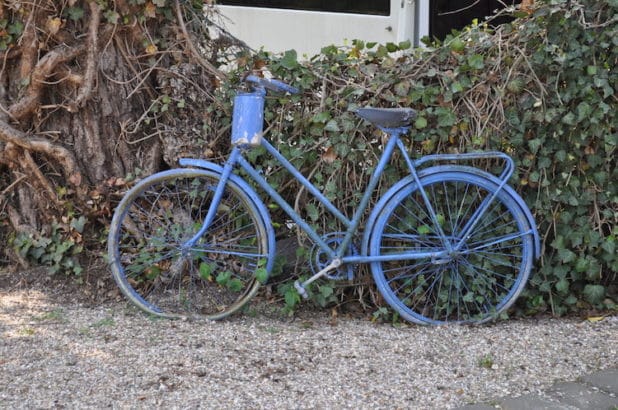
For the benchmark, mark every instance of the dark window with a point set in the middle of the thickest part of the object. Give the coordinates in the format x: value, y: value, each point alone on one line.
x: 446, y: 15
x: 380, y: 7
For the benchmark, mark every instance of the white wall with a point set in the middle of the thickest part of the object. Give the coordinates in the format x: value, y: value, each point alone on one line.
x: 308, y: 31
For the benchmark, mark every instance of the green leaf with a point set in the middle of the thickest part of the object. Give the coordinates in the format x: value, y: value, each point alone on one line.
x: 224, y: 277
x: 392, y: 47
x: 235, y: 285
x: 609, y: 245
x: 312, y: 212
x: 535, y: 144
x: 569, y: 119
x: 332, y: 126
x: 584, y: 110
x: 78, y: 224
x: 456, y: 87
x: 75, y: 13
x: 77, y: 269
x: 424, y: 230
x: 321, y: 117
x: 111, y: 16
x: 402, y: 88
x: 562, y: 286
x: 404, y: 45
x: 291, y: 297
x: 261, y: 275
x: 326, y: 290
x: 581, y: 265
x: 205, y: 270
x: 476, y: 61
x: 566, y: 255
x: 558, y: 242
x: 420, y: 123
x: 446, y: 117
x: 290, y: 59
x: 16, y: 28
x: 594, y: 293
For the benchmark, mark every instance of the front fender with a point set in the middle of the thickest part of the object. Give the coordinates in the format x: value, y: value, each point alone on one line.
x: 200, y: 163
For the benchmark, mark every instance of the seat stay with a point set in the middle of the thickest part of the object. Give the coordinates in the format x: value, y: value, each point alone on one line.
x: 429, y: 207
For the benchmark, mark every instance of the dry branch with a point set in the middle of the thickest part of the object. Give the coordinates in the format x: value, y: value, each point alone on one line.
x: 91, y: 55
x: 194, y: 52
x: 30, y: 48
x: 43, y: 69
x: 64, y: 156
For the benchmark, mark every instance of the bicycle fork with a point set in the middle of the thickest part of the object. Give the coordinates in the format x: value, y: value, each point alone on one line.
x: 212, y: 211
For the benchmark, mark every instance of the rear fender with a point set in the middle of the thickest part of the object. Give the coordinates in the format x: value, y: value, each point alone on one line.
x: 453, y: 168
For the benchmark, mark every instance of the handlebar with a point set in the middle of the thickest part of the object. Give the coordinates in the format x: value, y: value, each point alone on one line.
x: 270, y: 84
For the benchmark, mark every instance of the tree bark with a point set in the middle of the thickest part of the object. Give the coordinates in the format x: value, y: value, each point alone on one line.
x: 82, y: 86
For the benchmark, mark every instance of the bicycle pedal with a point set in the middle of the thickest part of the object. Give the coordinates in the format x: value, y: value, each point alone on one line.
x: 301, y: 290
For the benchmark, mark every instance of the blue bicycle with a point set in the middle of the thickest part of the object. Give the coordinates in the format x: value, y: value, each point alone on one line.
x: 447, y: 243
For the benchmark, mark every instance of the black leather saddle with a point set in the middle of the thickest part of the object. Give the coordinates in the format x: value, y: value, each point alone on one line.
x: 388, y: 117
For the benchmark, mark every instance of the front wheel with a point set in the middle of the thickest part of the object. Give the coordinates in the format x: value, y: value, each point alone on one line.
x: 490, y: 253
x: 151, y: 263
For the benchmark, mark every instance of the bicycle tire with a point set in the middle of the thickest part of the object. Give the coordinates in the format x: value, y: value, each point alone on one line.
x: 214, y: 278
x: 474, y: 285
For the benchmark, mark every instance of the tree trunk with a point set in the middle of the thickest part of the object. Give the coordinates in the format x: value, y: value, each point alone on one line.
x: 90, y: 95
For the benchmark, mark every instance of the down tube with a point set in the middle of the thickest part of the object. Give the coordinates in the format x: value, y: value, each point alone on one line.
x: 306, y: 183
x: 255, y: 175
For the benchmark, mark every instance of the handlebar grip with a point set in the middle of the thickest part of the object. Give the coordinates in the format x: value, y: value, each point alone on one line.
x: 273, y: 85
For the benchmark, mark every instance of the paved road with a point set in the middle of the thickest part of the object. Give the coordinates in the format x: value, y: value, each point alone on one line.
x: 597, y: 391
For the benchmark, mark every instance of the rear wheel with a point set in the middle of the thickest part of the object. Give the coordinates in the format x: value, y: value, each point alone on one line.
x: 491, y: 255
x: 212, y: 279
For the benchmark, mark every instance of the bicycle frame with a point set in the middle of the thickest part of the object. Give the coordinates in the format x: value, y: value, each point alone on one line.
x: 250, y: 119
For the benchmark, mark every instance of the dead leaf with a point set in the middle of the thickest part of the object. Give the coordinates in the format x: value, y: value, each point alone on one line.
x: 151, y: 49
x: 329, y: 156
x: 527, y: 6
x: 150, y: 10
x: 76, y: 179
x: 53, y: 25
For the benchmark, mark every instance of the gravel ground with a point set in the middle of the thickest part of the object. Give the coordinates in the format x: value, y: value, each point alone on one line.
x: 55, y: 353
